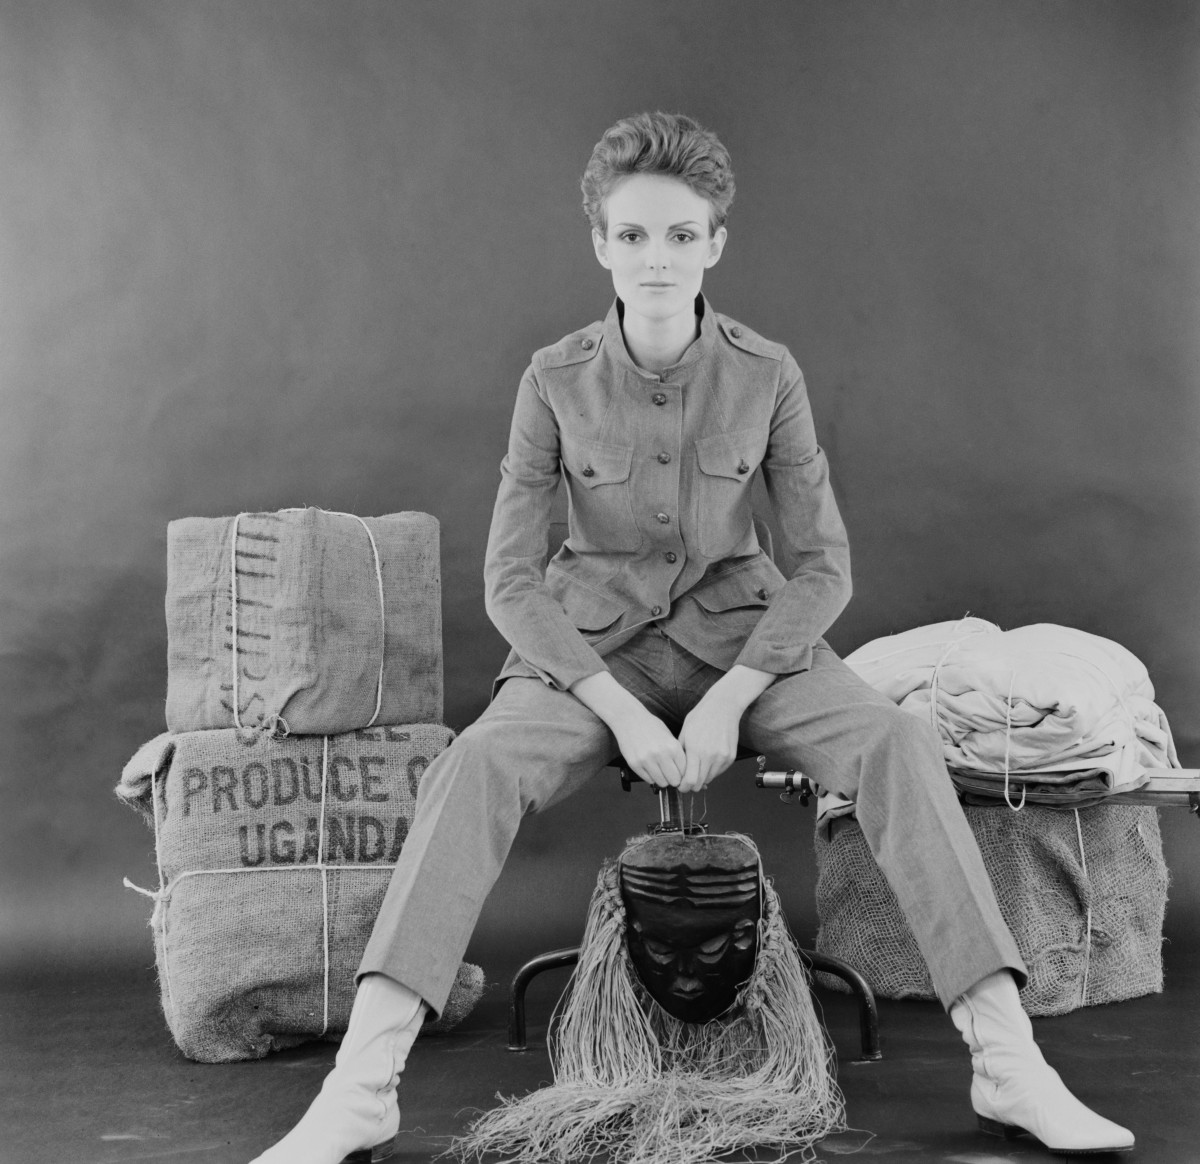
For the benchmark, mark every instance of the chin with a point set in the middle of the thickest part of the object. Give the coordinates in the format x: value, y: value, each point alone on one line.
x: 699, y: 1010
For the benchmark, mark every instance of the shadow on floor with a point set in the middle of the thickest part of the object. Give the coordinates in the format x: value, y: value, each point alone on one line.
x: 89, y: 1075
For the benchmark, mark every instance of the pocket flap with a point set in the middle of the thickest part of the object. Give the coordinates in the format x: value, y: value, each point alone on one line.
x: 594, y: 463
x: 588, y: 609
x: 730, y: 454
x: 739, y: 588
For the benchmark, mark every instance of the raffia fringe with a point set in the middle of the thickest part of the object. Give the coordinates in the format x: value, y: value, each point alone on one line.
x: 637, y: 1086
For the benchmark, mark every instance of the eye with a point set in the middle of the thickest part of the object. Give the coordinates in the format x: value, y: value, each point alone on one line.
x: 684, y: 236
x: 628, y: 236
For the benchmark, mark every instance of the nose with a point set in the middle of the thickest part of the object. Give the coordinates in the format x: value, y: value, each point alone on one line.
x: 657, y: 258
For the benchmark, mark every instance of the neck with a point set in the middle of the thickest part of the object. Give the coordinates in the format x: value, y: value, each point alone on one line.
x: 655, y: 344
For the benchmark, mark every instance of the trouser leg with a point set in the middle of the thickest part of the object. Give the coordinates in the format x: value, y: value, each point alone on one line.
x: 852, y: 740
x: 532, y: 746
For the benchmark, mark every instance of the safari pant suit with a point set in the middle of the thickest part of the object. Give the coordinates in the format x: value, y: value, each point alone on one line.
x: 663, y: 582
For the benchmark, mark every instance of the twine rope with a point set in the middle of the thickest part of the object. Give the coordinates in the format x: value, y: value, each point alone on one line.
x: 1087, y: 936
x: 275, y: 724
x: 935, y: 678
x: 1012, y: 678
x: 162, y: 896
x: 324, y: 887
x: 1008, y: 704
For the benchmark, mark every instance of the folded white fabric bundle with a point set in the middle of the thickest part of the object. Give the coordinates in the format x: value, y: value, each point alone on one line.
x: 1035, y: 699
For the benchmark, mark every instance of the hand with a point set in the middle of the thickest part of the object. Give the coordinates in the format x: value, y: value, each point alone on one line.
x: 645, y: 741
x: 710, y: 732
x: 709, y: 738
x: 649, y: 747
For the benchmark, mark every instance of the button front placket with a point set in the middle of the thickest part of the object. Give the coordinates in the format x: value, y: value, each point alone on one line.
x: 658, y: 460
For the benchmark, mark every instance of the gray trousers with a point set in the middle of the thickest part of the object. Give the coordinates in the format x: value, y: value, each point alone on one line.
x: 535, y: 745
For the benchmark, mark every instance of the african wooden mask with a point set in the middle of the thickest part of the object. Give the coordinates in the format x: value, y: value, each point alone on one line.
x: 692, y: 908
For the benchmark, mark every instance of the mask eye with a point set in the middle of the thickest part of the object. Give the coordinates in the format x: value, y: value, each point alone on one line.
x: 712, y: 951
x: 659, y: 953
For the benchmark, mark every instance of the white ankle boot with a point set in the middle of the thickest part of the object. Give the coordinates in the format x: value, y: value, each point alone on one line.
x: 1014, y: 1090
x: 355, y: 1117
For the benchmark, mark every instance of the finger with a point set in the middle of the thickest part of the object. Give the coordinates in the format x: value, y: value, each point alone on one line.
x: 691, y: 772
x: 649, y: 771
x: 679, y: 761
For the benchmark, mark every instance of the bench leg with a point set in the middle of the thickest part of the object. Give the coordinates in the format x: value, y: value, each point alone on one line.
x: 520, y: 983
x: 868, y: 1013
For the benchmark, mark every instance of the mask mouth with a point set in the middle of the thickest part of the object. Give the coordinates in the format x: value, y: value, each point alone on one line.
x: 693, y: 904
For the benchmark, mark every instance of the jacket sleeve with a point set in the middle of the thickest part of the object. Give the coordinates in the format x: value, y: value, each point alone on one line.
x: 813, y: 538
x: 515, y: 593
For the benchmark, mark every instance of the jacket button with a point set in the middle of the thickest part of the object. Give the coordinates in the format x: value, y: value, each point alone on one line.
x: 762, y: 593
x: 664, y: 458
x: 670, y: 555
x: 743, y: 467
x: 589, y: 472
x: 656, y: 610
x: 663, y: 518
x: 736, y: 332
x: 587, y: 344
x: 659, y: 398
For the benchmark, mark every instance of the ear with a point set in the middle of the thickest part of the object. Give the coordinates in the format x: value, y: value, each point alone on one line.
x: 600, y: 245
x: 716, y: 245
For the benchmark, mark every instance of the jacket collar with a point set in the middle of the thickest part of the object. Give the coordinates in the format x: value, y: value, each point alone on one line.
x: 700, y: 348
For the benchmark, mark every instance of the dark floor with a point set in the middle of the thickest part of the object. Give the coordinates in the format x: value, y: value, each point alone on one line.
x: 89, y: 1075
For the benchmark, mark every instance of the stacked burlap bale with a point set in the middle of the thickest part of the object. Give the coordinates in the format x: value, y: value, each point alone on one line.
x: 1083, y: 891
x: 283, y: 793
x: 325, y: 602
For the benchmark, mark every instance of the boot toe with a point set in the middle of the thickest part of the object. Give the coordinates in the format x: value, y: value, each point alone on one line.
x: 1052, y: 1115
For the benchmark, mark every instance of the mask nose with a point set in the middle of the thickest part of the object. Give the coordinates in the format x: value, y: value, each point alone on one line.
x: 687, y: 986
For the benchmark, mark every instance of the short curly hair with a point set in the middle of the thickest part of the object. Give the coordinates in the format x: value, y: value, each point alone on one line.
x: 659, y: 143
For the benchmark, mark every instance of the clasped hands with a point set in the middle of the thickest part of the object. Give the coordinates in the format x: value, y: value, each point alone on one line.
x: 707, y: 743
x: 706, y: 746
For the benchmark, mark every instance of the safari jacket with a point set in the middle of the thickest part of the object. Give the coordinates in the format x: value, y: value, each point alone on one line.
x: 658, y: 470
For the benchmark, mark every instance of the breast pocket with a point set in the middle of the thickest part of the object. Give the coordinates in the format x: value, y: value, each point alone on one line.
x: 597, y: 477
x: 726, y: 463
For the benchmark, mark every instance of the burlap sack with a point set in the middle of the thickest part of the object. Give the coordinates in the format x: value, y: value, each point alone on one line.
x: 1088, y: 922
x: 311, y: 630
x: 274, y: 857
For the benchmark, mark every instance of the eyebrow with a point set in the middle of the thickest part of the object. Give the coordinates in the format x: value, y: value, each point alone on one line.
x: 673, y: 226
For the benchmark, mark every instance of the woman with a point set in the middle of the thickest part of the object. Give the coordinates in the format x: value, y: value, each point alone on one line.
x: 661, y: 607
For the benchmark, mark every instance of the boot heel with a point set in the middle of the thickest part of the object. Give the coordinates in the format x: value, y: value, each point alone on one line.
x: 996, y: 1128
x: 373, y: 1155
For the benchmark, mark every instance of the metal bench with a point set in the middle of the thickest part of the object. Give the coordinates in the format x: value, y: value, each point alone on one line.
x: 671, y: 817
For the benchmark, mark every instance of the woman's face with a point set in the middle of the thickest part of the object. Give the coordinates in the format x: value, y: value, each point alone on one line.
x: 657, y: 245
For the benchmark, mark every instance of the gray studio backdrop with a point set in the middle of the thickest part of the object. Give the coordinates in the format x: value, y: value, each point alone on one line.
x: 267, y: 253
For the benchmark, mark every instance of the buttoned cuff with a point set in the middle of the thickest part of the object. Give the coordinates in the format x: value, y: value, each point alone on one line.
x: 774, y: 659
x: 562, y: 678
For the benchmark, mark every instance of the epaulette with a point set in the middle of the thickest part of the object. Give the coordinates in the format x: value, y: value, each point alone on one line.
x: 576, y: 348
x: 749, y: 340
